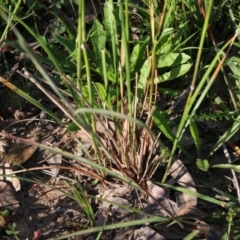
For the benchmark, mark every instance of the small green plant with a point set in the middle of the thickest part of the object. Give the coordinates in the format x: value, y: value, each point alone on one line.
x: 6, y: 226
x: 11, y: 230
x: 232, y: 219
x: 84, y: 202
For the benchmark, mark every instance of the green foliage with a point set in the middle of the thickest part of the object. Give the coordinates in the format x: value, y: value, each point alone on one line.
x: 4, y: 212
x: 195, y: 135
x: 80, y: 195
x: 98, y: 38
x: 171, y: 65
x: 177, y: 61
x: 236, y: 168
x: 33, y: 5
x: 215, y: 116
x: 11, y: 230
x: 203, y: 164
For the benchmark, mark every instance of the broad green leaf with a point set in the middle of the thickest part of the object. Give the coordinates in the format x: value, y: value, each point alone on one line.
x: 67, y: 43
x: 111, y: 75
x: 173, y: 73
x: 164, y: 44
x: 134, y: 57
x: 144, y: 74
x: 172, y: 59
x: 103, y: 94
x: 203, y: 164
x: 235, y: 59
x: 236, y: 168
x: 165, y: 34
x: 72, y: 127
x: 110, y: 24
x: 109, y: 19
x: 137, y: 56
x: 98, y: 39
x: 101, y: 91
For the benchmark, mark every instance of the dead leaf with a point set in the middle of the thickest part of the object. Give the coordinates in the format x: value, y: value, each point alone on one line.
x: 7, y: 196
x: 116, y: 208
x: 146, y: 233
x: 3, y: 145
x: 55, y: 160
x: 37, y: 234
x: 160, y: 195
x: 7, y: 170
x: 19, y: 153
x: 181, y: 175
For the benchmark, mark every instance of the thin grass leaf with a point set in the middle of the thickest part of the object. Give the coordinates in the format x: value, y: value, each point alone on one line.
x: 83, y: 200
x: 225, y: 194
x: 12, y: 15
x: 195, y: 135
x: 192, y: 96
x: 198, y: 195
x: 227, y: 135
x: 39, y: 39
x: 236, y: 168
x: 191, y: 235
x: 62, y: 58
x: 113, y: 226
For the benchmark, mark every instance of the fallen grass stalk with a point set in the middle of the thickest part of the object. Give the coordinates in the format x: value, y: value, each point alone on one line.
x: 113, y: 226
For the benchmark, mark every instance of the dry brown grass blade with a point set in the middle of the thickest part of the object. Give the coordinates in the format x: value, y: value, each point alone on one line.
x: 153, y: 160
x: 74, y: 169
x: 144, y: 144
